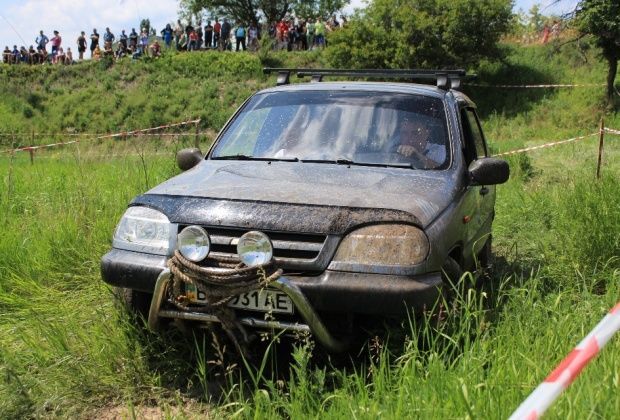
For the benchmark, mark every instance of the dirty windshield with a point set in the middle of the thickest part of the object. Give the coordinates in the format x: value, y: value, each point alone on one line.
x: 358, y: 127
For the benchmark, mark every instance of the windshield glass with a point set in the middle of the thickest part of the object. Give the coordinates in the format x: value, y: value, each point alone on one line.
x: 374, y: 128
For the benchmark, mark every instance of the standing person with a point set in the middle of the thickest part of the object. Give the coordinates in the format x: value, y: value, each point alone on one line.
x: 178, y: 32
x: 193, y: 40
x: 144, y: 41
x: 226, y: 30
x: 133, y: 39
x: 81, y: 43
x: 310, y: 34
x: 252, y: 37
x: 123, y: 39
x: 167, y: 33
x: 208, y: 34
x: 15, y: 54
x: 56, y: 41
x: 200, y: 35
x: 42, y: 40
x: 6, y: 55
x: 94, y: 43
x: 319, y: 33
x: 217, y: 33
x: 108, y: 38
x: 240, y: 36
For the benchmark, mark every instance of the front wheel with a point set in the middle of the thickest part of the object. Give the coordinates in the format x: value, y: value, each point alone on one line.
x: 137, y: 303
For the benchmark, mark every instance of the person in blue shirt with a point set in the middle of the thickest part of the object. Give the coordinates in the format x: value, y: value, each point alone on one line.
x: 108, y: 38
x: 15, y: 54
x: 167, y: 33
x: 240, y: 36
x: 42, y: 40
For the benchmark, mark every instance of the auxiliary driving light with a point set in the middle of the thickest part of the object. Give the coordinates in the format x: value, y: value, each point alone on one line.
x: 194, y: 244
x: 254, y: 249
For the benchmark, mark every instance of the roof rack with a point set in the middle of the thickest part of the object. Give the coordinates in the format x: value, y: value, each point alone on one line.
x: 444, y: 79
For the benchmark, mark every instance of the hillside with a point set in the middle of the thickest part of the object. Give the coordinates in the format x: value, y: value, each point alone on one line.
x: 66, y: 350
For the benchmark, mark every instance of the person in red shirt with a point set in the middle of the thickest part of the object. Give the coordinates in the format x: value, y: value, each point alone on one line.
x: 56, y: 41
x: 155, y: 49
x: 193, y: 41
x: 217, y: 30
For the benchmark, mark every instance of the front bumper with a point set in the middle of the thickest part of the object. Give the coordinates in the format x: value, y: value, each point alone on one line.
x: 331, y: 291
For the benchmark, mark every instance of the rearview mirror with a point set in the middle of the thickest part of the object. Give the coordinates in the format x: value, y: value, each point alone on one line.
x: 489, y: 171
x: 188, y: 158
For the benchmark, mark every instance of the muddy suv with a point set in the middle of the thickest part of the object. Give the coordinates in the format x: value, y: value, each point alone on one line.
x: 318, y: 204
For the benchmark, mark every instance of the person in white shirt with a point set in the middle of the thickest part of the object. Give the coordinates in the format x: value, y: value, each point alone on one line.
x: 413, y: 142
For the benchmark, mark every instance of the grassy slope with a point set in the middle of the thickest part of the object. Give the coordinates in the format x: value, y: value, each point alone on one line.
x: 65, y: 350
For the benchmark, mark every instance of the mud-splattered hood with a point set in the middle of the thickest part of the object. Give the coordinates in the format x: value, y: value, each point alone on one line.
x: 421, y: 194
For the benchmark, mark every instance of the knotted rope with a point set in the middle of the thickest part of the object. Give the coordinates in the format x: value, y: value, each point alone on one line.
x: 220, y: 280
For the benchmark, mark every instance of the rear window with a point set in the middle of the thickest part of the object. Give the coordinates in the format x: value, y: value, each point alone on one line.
x: 361, y: 127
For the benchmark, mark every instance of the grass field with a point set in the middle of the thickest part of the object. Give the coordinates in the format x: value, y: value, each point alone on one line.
x: 66, y: 350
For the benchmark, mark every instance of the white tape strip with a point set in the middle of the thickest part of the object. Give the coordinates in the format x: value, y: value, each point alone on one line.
x: 562, y: 85
x: 562, y: 376
x: 612, y: 131
x: 542, y: 146
x: 107, y: 136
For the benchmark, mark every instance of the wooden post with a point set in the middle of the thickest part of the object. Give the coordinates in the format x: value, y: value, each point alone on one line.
x: 32, y: 151
x: 600, y: 149
x: 197, y: 140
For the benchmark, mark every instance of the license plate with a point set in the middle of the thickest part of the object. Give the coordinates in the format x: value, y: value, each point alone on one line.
x: 264, y: 300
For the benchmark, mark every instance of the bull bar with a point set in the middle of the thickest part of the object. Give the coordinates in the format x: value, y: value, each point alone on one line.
x: 313, y: 323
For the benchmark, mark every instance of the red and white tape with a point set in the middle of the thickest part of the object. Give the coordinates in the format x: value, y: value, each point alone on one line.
x: 542, y: 146
x: 561, y: 85
x: 566, y: 372
x: 106, y: 136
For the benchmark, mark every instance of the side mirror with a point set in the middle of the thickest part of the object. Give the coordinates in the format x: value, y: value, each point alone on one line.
x: 489, y: 171
x: 188, y: 158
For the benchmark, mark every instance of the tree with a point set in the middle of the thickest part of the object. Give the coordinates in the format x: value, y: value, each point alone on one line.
x: 421, y: 33
x: 600, y: 18
x: 318, y: 8
x: 272, y: 10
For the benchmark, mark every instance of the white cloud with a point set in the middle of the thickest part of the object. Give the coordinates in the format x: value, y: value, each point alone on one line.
x: 20, y: 22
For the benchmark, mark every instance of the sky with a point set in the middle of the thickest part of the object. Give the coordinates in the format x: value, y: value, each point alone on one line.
x: 20, y: 21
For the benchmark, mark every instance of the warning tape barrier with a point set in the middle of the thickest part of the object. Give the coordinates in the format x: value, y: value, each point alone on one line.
x: 122, y: 134
x: 612, y: 131
x: 542, y: 146
x: 561, y: 85
x: 566, y: 372
x: 185, y: 133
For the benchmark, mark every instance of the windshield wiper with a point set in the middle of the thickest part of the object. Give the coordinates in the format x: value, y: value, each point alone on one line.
x: 350, y: 162
x: 335, y: 161
x: 247, y: 157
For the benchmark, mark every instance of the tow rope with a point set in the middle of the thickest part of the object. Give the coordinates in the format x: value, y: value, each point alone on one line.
x: 219, y: 279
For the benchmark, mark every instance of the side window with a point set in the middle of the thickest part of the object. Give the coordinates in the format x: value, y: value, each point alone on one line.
x: 474, y: 140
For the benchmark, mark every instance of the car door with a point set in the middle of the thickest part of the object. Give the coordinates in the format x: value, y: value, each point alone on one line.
x: 482, y: 197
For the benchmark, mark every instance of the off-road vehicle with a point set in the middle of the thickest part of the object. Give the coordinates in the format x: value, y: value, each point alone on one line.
x: 318, y: 204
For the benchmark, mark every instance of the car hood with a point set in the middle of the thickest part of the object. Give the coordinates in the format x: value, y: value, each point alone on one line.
x: 422, y: 194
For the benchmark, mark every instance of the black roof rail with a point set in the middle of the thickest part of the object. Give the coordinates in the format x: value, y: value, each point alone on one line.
x: 444, y: 79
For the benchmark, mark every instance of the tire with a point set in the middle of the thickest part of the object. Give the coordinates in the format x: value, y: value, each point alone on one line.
x: 451, y: 273
x: 137, y: 303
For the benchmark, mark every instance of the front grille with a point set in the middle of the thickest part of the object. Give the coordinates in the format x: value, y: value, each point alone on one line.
x: 289, y: 249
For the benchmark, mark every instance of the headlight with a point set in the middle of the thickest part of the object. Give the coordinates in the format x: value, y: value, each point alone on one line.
x: 143, y: 229
x: 255, y: 248
x: 193, y: 242
x: 383, y: 245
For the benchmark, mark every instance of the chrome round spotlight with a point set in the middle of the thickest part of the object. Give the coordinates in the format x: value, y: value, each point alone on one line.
x: 254, y: 249
x: 194, y: 244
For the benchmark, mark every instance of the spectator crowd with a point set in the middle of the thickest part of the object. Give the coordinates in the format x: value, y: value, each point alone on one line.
x: 287, y: 34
